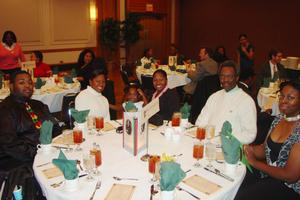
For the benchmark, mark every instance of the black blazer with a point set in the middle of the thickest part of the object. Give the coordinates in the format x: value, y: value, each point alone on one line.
x: 266, y: 72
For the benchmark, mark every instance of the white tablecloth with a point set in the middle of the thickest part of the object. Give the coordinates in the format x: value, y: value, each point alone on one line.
x: 118, y: 162
x: 52, y: 97
x: 175, y: 79
x: 267, y: 99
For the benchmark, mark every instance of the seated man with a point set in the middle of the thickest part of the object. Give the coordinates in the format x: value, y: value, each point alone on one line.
x: 230, y: 104
x: 205, y: 67
x: 20, y: 122
x: 272, y: 69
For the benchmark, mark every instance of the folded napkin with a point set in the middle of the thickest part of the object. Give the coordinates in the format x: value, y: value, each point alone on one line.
x: 232, y: 148
x: 147, y: 65
x: 46, y: 132
x: 67, y: 167
x: 39, y: 83
x: 73, y: 73
x: 230, y: 145
x: 266, y: 82
x: 79, y: 116
x: 55, y: 70
x: 171, y: 175
x: 68, y: 79
x: 130, y: 107
x: 185, y: 111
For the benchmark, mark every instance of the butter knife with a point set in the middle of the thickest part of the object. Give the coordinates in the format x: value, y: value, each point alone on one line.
x: 216, y: 171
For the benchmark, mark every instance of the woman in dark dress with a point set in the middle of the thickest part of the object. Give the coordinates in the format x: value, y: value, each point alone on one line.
x: 84, y: 62
x: 168, y: 98
x: 277, y: 159
x: 245, y: 53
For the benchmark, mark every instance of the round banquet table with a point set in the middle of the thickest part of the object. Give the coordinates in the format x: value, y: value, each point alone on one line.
x: 175, y: 79
x: 52, y: 97
x: 267, y: 99
x: 116, y: 161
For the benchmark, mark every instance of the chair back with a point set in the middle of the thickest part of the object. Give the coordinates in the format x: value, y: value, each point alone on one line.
x: 147, y: 85
x: 124, y: 76
x: 67, y: 104
x: 109, y: 93
x: 205, y: 87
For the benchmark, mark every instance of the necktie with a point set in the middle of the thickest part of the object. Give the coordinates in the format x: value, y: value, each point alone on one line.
x: 275, y: 75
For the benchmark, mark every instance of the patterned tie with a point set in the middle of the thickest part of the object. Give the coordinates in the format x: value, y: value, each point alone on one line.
x: 33, y: 116
x: 275, y: 75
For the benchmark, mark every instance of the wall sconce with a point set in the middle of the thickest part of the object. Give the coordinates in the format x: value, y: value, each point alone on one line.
x: 93, y: 11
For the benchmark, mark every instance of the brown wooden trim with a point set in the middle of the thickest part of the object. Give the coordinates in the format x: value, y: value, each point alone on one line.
x: 60, y: 50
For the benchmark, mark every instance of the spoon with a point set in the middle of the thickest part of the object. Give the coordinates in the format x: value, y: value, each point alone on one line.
x: 78, y: 163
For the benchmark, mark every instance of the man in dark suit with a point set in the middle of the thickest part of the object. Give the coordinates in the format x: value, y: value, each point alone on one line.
x: 272, y: 69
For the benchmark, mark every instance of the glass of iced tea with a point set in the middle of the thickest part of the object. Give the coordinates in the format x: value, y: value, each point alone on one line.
x: 153, y: 159
x: 198, y: 152
x: 99, y: 123
x: 77, y: 138
x: 96, y: 151
x: 200, y: 134
x: 176, y: 119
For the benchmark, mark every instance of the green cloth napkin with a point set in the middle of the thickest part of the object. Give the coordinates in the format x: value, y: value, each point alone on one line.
x: 185, y: 111
x: 147, y: 66
x: 46, y: 132
x: 73, y: 73
x: 68, y: 79
x: 39, y: 83
x: 266, y: 82
x: 230, y: 145
x: 170, y: 175
x: 130, y: 107
x: 67, y: 167
x: 55, y: 70
x: 79, y: 116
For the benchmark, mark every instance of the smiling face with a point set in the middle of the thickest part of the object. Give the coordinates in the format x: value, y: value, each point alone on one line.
x: 98, y: 83
x: 228, y: 78
x: 23, y: 85
x: 159, y: 82
x: 289, y: 101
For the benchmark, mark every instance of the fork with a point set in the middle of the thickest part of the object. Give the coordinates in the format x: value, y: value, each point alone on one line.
x: 119, y: 179
x: 98, y: 185
x: 181, y: 189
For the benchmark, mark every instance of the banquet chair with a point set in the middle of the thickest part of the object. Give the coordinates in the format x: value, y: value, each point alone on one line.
x: 127, y: 75
x: 147, y: 85
x: 205, y: 87
x: 109, y: 93
x: 68, y: 103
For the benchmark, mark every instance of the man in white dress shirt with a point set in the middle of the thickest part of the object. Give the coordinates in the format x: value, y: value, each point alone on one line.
x: 230, y: 104
x: 92, y: 99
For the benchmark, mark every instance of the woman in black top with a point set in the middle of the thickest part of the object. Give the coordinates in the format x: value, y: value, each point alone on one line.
x: 278, y: 158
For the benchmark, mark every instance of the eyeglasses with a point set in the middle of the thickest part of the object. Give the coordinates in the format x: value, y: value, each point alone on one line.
x: 288, y: 97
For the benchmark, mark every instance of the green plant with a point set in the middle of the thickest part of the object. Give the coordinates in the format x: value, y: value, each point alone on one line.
x: 131, y: 28
x: 110, y: 33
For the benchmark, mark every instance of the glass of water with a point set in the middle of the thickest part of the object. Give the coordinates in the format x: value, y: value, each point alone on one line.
x: 210, y: 153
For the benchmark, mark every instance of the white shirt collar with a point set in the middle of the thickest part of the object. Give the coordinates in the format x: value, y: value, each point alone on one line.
x: 92, y: 91
x: 9, y: 48
x: 236, y: 88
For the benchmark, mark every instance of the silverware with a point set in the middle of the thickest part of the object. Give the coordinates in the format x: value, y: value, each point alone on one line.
x: 59, y: 147
x: 78, y: 163
x: 98, y: 185
x: 41, y: 165
x: 193, y: 126
x: 187, y: 171
x: 178, y: 155
x: 163, y: 134
x: 119, y: 179
x: 216, y: 171
x: 181, y: 189
x: 118, y: 122
x: 55, y: 185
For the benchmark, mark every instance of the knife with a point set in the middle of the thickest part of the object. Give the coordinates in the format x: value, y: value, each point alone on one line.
x: 59, y: 147
x: 216, y: 171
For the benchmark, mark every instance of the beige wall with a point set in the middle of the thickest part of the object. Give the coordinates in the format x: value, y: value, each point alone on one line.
x: 50, y: 25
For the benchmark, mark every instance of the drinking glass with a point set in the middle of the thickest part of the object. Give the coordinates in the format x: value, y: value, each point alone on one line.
x: 176, y: 119
x: 96, y: 152
x: 210, y: 131
x: 99, y: 122
x: 200, y: 134
x: 198, y: 152
x: 153, y: 159
x: 89, y: 163
x: 210, y: 153
x: 90, y: 124
x: 66, y: 140
x: 77, y: 138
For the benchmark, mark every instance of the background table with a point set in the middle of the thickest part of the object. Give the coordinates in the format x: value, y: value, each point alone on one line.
x: 267, y: 99
x: 175, y: 79
x: 116, y: 161
x: 52, y: 97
